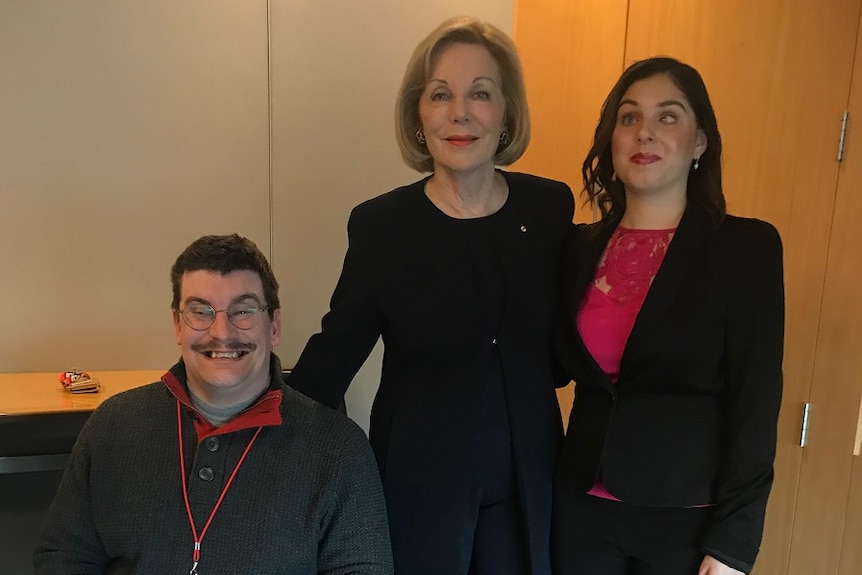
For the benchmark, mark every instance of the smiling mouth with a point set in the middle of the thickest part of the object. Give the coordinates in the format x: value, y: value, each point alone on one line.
x: 461, y: 141
x: 225, y: 354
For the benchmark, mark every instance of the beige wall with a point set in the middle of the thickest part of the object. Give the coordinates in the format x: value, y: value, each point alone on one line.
x: 127, y: 129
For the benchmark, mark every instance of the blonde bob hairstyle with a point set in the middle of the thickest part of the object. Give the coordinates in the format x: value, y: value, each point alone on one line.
x: 462, y: 30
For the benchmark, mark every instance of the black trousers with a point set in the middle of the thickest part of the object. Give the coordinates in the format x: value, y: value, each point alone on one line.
x: 499, y: 542
x: 485, y: 534
x: 595, y: 536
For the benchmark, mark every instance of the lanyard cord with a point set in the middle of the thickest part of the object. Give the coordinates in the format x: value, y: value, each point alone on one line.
x: 196, y: 555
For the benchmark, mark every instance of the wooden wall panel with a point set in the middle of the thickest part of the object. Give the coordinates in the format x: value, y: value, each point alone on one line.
x: 850, y: 562
x: 829, y: 507
x: 572, y: 51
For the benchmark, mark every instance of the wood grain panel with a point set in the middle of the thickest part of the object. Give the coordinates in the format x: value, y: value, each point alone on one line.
x: 572, y: 51
x: 779, y: 90
x: 829, y: 507
x: 851, y: 549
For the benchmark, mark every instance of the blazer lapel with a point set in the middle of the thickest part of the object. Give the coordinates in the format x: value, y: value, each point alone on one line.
x: 682, y: 254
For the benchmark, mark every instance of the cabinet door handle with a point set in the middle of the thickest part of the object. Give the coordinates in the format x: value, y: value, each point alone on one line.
x: 803, y: 435
x: 841, y: 136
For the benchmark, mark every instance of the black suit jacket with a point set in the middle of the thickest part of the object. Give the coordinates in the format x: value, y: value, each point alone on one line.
x: 692, y: 418
x: 408, y: 278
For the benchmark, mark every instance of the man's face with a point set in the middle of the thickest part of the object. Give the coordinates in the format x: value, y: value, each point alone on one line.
x: 226, y: 365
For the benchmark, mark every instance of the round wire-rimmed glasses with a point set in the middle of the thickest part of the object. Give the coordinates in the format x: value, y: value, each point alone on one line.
x: 200, y: 317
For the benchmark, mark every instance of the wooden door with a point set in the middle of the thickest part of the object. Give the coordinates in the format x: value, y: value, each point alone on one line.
x: 827, y: 532
x: 572, y: 52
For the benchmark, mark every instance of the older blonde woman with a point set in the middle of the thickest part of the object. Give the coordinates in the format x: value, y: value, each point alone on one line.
x: 457, y: 272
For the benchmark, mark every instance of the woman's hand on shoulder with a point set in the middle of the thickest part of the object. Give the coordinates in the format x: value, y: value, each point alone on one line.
x: 712, y: 566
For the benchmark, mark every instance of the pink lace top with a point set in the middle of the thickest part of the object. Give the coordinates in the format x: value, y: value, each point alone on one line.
x: 606, y: 316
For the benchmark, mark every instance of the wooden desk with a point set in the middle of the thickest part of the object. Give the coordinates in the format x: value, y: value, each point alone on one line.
x: 39, y: 420
x: 41, y: 393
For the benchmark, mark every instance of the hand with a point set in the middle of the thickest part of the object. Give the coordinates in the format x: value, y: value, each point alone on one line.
x: 712, y: 566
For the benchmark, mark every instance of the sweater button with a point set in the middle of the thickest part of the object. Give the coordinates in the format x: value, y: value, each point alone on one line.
x: 206, y: 473
x: 211, y: 443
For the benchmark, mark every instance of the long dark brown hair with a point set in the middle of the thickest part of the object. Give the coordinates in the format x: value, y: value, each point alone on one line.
x: 601, y: 186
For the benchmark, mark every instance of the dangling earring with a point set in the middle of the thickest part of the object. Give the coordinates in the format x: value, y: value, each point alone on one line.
x: 420, y: 136
x: 697, y: 162
x: 504, y: 138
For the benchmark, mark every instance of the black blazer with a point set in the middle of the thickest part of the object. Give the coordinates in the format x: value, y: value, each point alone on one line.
x: 692, y: 418
x: 406, y: 277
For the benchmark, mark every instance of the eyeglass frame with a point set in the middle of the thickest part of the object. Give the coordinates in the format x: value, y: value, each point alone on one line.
x: 257, y: 312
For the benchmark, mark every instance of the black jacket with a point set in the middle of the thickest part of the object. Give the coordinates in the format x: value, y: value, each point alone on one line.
x: 406, y: 278
x: 692, y: 418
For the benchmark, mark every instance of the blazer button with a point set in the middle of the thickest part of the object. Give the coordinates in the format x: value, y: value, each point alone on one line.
x: 212, y: 443
x: 206, y: 473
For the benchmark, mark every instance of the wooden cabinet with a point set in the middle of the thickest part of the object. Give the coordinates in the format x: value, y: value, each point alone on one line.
x: 827, y: 530
x: 779, y: 74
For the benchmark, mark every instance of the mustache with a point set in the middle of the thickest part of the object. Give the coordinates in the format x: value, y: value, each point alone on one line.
x: 231, y: 345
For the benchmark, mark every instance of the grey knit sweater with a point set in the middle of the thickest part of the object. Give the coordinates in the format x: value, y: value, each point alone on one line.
x: 306, y: 500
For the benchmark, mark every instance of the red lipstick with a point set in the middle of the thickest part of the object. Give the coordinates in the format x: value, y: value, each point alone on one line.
x: 642, y: 159
x: 461, y: 141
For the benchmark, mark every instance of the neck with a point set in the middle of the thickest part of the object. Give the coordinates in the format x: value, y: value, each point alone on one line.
x: 468, y: 195
x: 218, y: 415
x: 219, y: 397
x: 652, y: 213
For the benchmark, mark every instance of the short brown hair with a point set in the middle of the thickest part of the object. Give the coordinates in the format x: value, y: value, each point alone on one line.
x: 462, y: 30
x: 223, y: 255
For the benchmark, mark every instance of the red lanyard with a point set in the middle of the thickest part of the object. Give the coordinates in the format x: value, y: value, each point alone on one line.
x: 196, y: 555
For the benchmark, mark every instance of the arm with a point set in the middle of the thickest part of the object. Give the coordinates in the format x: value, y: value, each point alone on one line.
x: 712, y: 566
x: 754, y: 350
x: 69, y: 543
x: 563, y: 318
x: 355, y: 530
x: 352, y: 326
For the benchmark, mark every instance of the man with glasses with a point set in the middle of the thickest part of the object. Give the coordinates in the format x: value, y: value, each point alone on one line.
x: 219, y: 468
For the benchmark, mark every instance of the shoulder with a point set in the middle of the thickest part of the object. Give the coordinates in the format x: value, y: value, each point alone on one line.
x: 538, y: 186
x: 138, y: 409
x: 579, y: 243
x: 139, y: 399
x: 585, y: 235
x: 748, y: 226
x: 543, y: 197
x: 748, y: 234
x: 375, y: 221
x: 396, y: 201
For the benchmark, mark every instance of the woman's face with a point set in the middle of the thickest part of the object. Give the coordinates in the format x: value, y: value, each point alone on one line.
x: 656, y: 138
x: 462, y: 109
